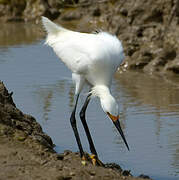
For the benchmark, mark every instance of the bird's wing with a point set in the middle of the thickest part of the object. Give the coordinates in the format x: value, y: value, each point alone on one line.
x: 79, y: 51
x: 71, y: 47
x: 74, y: 52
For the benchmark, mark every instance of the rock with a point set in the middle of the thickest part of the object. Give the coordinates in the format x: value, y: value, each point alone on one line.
x: 124, y: 11
x: 92, y: 173
x: 60, y: 156
x: 144, y: 176
x: 20, y: 125
x: 96, y: 12
x: 28, y: 10
x: 113, y: 166
x: 72, y: 15
x: 126, y: 173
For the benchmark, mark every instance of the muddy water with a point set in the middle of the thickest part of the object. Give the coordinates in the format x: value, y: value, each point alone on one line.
x: 149, y: 106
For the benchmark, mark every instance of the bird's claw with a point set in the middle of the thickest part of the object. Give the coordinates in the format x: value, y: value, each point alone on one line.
x: 92, y: 158
x: 95, y: 161
x: 83, y: 160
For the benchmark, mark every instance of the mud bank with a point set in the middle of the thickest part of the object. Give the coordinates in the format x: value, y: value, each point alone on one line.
x: 148, y: 29
x: 26, y: 152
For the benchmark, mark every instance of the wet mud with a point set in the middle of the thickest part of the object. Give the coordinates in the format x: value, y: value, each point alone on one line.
x: 26, y: 152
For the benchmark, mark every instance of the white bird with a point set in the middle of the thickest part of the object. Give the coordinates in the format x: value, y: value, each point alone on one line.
x: 93, y: 59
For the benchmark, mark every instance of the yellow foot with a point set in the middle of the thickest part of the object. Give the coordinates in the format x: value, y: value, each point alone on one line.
x: 91, y: 158
x: 95, y: 161
x: 83, y: 160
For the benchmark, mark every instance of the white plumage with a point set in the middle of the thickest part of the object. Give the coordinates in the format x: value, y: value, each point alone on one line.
x: 95, y: 57
x: 92, y: 58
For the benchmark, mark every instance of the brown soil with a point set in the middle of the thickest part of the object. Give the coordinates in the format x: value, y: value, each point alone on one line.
x: 148, y: 30
x: 26, y: 152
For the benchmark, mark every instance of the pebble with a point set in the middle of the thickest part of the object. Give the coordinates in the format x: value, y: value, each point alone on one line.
x: 92, y: 173
x: 60, y: 156
x: 72, y: 173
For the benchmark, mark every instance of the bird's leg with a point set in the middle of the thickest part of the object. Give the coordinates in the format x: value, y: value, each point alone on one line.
x: 94, y: 156
x: 83, y: 120
x: 73, y: 124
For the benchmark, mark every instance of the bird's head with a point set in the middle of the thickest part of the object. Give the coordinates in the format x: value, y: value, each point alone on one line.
x: 110, y: 107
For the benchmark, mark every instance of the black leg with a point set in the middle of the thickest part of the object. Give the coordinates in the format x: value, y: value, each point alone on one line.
x: 83, y: 120
x: 73, y: 124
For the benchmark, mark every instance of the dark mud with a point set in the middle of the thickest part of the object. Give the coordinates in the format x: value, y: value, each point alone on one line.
x: 148, y: 29
x: 26, y: 152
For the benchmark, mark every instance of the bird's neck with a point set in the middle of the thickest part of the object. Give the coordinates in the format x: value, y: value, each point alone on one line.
x: 100, y: 91
x: 108, y: 102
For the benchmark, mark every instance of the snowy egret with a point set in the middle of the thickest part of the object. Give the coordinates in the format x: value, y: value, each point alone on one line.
x: 93, y: 59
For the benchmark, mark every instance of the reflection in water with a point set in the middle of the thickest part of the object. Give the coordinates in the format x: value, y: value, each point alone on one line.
x: 148, y: 105
x: 162, y: 100
x: 148, y: 95
x: 175, y: 139
x: 71, y: 97
x: 150, y: 90
x: 46, y: 95
x: 47, y: 104
x: 19, y: 33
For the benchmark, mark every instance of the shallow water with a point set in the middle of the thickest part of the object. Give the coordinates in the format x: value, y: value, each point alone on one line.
x: 149, y: 106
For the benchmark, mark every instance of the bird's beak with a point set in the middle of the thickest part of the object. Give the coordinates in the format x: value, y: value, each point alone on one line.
x: 115, y: 120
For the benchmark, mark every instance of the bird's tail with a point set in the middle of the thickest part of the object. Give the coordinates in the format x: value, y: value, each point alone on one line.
x: 52, y: 30
x: 50, y: 27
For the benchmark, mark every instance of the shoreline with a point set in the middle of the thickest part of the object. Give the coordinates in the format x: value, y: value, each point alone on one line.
x: 27, y: 152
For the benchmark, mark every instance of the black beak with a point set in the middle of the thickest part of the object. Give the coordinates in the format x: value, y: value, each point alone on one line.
x: 118, y: 126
